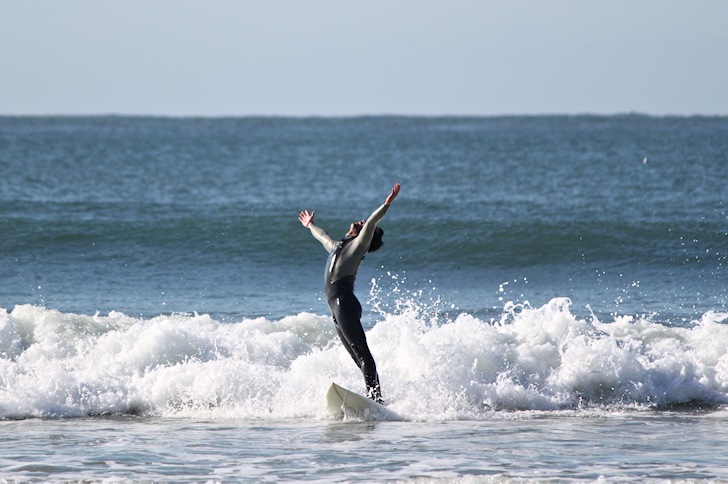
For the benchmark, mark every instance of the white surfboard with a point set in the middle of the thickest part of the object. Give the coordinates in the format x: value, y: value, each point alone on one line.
x: 345, y: 404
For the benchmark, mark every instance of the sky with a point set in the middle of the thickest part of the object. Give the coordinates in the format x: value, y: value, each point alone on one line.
x: 347, y: 58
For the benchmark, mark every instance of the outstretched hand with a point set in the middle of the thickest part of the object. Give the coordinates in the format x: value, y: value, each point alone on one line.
x: 393, y: 195
x: 306, y: 218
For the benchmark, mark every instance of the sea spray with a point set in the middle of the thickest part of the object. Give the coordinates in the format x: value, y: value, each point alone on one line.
x: 55, y: 364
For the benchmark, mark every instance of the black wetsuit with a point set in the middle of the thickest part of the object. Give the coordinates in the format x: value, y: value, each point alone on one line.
x: 346, y: 310
x: 345, y: 256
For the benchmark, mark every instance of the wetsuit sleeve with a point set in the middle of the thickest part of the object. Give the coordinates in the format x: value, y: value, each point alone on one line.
x: 321, y: 235
x: 364, y: 238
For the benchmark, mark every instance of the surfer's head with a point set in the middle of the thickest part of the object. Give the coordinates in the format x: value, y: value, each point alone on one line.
x: 355, y: 228
x: 376, y: 240
x: 376, y: 243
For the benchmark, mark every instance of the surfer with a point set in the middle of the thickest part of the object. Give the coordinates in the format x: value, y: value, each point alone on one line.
x: 345, y: 257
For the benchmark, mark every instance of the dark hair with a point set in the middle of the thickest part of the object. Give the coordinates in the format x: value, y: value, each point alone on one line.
x: 376, y: 240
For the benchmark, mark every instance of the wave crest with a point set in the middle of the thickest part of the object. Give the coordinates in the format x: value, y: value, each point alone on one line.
x: 545, y: 358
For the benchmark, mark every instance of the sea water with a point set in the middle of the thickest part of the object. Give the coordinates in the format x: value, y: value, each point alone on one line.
x: 550, y: 302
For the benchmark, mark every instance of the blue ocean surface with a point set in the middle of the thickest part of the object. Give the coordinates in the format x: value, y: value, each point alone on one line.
x: 551, y: 301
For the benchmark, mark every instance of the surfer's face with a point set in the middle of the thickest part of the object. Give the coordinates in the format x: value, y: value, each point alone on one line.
x: 356, y: 228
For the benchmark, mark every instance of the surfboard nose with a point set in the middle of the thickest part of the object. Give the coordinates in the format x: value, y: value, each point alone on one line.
x: 344, y: 404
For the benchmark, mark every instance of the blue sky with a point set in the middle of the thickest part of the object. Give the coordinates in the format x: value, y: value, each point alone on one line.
x: 339, y: 57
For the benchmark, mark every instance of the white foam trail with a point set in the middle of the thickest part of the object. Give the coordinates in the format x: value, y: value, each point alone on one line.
x: 56, y: 364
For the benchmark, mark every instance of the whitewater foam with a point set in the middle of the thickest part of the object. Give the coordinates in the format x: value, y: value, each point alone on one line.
x: 55, y: 364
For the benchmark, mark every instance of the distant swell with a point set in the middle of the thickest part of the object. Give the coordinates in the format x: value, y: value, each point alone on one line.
x: 517, y: 244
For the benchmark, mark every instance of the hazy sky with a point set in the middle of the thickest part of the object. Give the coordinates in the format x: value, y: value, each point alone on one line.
x: 341, y: 57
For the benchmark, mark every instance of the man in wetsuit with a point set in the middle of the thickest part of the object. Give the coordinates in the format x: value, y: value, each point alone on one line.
x: 345, y: 256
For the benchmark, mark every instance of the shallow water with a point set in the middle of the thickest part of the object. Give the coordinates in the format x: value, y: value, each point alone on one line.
x: 631, y: 446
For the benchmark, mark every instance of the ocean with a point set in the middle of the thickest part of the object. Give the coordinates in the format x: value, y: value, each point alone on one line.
x: 551, y: 301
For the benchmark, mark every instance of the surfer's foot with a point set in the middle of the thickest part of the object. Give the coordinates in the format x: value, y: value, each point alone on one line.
x: 375, y: 394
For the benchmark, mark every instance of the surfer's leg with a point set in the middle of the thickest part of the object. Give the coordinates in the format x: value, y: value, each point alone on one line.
x: 336, y: 314
x: 345, y: 342
x: 341, y: 311
x: 347, y: 311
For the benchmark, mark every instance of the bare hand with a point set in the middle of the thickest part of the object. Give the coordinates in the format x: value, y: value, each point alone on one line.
x: 306, y: 218
x: 393, y: 195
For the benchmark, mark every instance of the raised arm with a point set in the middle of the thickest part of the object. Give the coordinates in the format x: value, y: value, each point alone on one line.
x: 306, y: 219
x: 367, y: 230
